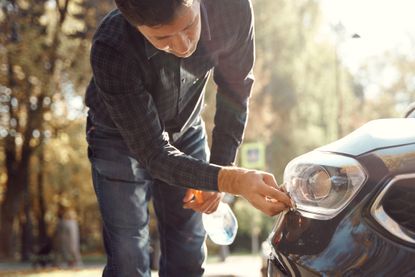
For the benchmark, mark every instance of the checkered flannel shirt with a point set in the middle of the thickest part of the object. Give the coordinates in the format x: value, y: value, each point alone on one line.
x: 146, y: 93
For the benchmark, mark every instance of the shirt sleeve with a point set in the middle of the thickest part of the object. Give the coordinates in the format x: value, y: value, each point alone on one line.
x: 234, y: 78
x: 133, y: 111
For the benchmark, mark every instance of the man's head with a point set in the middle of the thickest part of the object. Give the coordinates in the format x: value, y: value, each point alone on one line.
x: 172, y: 26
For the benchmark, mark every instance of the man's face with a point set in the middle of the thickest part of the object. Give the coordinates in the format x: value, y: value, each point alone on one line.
x: 179, y: 37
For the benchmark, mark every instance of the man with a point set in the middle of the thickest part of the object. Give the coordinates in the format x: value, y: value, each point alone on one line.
x: 151, y: 61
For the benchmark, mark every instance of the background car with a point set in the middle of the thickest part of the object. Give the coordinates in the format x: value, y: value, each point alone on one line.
x: 355, y: 213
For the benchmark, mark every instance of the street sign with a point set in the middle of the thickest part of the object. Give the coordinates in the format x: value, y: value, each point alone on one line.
x: 253, y: 155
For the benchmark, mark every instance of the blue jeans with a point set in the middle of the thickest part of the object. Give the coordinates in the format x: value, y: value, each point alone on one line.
x: 123, y: 189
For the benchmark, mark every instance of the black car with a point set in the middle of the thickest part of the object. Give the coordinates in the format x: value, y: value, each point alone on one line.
x: 355, y: 213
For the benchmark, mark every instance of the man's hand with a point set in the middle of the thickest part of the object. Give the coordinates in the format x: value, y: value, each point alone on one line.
x: 258, y: 187
x: 205, y: 201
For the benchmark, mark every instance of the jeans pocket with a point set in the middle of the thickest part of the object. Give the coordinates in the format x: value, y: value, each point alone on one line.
x: 111, y: 158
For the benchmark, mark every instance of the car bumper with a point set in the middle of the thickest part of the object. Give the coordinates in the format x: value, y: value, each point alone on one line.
x: 348, y: 245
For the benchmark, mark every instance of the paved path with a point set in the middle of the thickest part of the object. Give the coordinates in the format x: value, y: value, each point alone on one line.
x: 234, y: 266
x: 240, y: 266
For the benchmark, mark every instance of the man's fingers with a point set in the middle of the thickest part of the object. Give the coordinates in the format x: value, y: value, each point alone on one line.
x: 275, y: 192
x: 213, y: 203
x: 209, y: 205
x: 188, y: 196
x: 194, y: 206
x: 190, y: 205
x: 268, y: 207
x: 276, y: 208
x: 269, y: 179
x: 278, y: 195
x: 212, y: 208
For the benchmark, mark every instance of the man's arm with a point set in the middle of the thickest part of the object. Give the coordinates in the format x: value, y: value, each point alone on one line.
x: 134, y: 113
x: 234, y: 77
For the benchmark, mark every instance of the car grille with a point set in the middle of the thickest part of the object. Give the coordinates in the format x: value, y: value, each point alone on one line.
x: 399, y: 203
x: 394, y: 207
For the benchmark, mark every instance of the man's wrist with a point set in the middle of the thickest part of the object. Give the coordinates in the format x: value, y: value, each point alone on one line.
x: 228, y: 179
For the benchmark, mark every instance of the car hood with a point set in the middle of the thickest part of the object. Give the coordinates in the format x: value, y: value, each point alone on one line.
x: 376, y: 134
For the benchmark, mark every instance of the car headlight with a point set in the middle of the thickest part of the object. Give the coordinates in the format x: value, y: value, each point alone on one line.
x: 322, y: 184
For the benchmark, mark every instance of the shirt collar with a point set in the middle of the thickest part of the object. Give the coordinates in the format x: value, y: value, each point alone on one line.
x: 205, y: 34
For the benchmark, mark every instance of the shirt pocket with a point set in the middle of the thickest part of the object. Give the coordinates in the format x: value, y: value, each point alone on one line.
x: 198, y: 65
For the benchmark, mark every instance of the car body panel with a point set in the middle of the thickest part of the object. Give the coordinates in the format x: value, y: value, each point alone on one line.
x: 376, y: 134
x: 352, y: 243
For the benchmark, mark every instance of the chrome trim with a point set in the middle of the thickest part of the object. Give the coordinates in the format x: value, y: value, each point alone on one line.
x: 286, y: 264
x: 277, y: 224
x: 384, y: 219
x: 305, y: 211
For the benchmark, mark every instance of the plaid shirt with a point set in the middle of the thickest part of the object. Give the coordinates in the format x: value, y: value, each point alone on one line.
x: 146, y: 94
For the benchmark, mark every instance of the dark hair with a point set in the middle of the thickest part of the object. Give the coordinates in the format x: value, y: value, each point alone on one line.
x: 149, y: 12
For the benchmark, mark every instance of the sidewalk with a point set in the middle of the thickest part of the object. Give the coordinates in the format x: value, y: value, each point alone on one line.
x: 235, y: 266
x: 240, y: 266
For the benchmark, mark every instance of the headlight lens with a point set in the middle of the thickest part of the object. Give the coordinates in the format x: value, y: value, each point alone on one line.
x: 322, y: 184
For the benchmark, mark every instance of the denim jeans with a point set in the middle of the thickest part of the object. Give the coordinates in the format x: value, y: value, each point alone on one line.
x: 123, y: 189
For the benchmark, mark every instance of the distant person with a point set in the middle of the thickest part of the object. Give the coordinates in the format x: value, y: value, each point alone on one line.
x: 151, y: 60
x: 67, y: 238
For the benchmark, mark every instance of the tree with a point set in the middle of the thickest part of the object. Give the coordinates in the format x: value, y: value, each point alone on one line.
x: 44, y: 60
x: 388, y: 84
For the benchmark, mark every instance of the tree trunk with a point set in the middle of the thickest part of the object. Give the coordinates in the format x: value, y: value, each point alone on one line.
x: 11, y: 203
x: 27, y: 226
x: 9, y: 210
x: 27, y: 236
x: 18, y: 178
x: 43, y: 236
